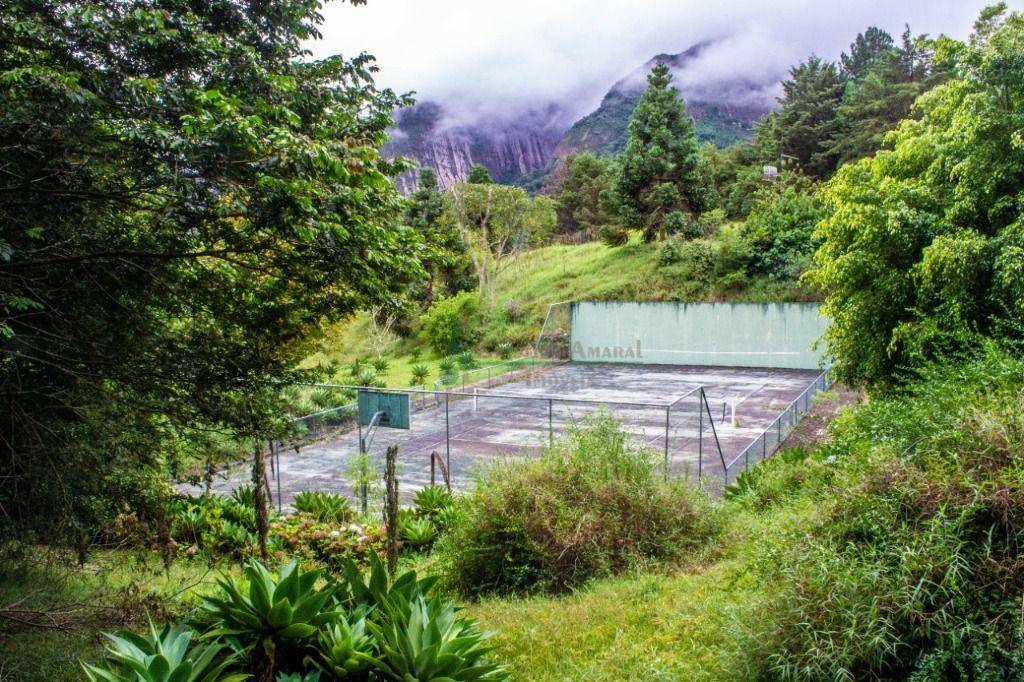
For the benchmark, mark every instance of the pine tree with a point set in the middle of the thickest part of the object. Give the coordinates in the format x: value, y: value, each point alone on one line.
x: 807, y: 118
x: 444, y: 251
x: 867, y: 49
x: 658, y: 173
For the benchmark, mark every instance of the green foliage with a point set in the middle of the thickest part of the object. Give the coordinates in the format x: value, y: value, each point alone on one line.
x: 417, y: 532
x: 194, y: 195
x: 380, y: 365
x: 446, y: 365
x: 425, y: 641
x: 922, y: 248
x: 780, y: 229
x: 520, y: 526
x: 344, y: 650
x: 467, y: 361
x: 452, y: 324
x: 912, y: 571
x: 583, y: 196
x: 658, y: 170
x: 432, y: 499
x: 323, y: 506
x: 807, y: 117
x: 479, y: 175
x: 613, y: 235
x: 444, y: 256
x: 275, y: 613
x: 419, y: 374
x: 166, y: 655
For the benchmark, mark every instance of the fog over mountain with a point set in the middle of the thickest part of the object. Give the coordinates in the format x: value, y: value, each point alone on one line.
x: 505, y: 81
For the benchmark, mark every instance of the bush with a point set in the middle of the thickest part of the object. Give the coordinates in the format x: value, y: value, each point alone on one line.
x: 913, y: 570
x: 592, y: 504
x: 682, y: 224
x: 613, y: 235
x: 467, y: 361
x: 504, y: 350
x: 452, y: 324
x: 419, y: 374
x: 323, y: 506
x: 711, y: 221
x: 380, y: 365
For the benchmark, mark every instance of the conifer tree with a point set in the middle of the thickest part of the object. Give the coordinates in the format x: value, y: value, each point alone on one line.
x: 807, y: 118
x: 658, y: 173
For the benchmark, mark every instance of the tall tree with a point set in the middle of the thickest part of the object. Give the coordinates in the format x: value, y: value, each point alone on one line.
x: 444, y: 253
x: 658, y: 170
x: 807, y: 115
x: 185, y: 195
x: 875, y: 103
x: 867, y: 49
x: 498, y: 223
x: 583, y: 196
x: 924, y: 245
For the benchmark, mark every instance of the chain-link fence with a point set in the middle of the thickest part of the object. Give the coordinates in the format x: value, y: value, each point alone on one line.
x: 772, y: 437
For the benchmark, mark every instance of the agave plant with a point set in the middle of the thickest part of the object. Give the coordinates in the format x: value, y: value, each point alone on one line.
x: 427, y: 642
x: 344, y: 650
x: 244, y: 495
x: 270, y: 611
x: 299, y: 677
x: 418, y: 532
x: 168, y: 655
x: 324, y: 506
x: 467, y: 361
x: 447, y: 517
x: 377, y: 593
x: 380, y: 365
x: 431, y: 499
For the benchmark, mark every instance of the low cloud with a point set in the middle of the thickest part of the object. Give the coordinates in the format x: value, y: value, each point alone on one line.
x: 498, y: 59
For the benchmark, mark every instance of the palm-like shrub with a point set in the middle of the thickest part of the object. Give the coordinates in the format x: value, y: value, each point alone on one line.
x: 425, y: 641
x: 324, y: 506
x: 273, y: 612
x: 380, y: 365
x: 168, y: 655
x: 418, y: 532
x: 466, y: 360
x: 446, y: 365
x: 344, y: 650
x: 419, y: 374
x: 447, y: 517
x: 431, y: 499
x: 244, y: 495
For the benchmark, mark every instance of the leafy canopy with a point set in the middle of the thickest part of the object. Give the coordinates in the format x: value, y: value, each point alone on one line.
x: 185, y: 195
x: 924, y: 247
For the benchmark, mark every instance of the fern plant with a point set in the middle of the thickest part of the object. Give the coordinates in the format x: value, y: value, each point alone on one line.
x: 167, y: 655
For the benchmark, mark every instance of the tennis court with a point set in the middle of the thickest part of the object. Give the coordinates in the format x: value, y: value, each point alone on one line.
x: 658, y: 405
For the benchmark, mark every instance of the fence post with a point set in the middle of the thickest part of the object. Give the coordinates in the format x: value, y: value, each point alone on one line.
x: 447, y: 436
x: 700, y: 437
x: 277, y: 470
x: 667, y: 409
x: 551, y: 427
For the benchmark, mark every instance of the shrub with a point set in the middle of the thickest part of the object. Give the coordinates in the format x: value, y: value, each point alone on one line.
x: 419, y: 374
x: 682, y: 224
x: 431, y: 500
x: 613, y: 235
x: 592, y: 504
x: 418, y: 532
x: 504, y: 350
x: 415, y: 354
x: 327, y: 544
x: 452, y: 324
x: 514, y: 310
x: 380, y: 365
x: 913, y: 569
x: 710, y: 221
x: 669, y: 253
x: 323, y: 506
x: 467, y: 361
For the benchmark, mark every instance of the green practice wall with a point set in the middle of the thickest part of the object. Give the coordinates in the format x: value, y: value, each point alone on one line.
x: 716, y: 334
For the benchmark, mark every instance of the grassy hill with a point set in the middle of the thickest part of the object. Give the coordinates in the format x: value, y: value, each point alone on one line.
x: 558, y: 273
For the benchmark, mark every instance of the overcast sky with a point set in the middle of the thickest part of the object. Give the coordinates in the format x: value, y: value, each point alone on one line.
x: 502, y: 54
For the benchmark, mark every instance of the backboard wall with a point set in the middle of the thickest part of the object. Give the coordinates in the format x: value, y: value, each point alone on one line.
x: 717, y: 334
